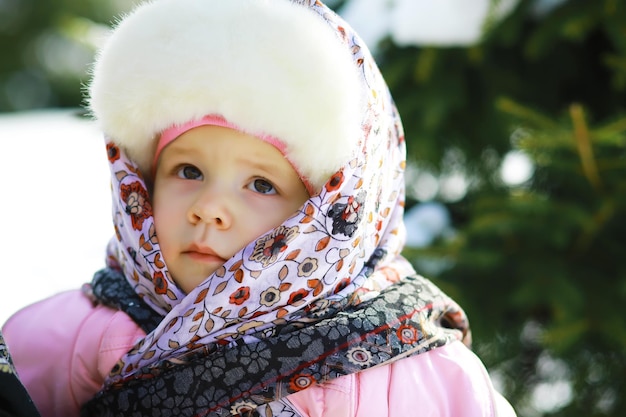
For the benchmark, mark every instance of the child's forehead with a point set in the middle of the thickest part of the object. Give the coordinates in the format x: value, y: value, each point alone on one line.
x: 208, y: 136
x: 211, y: 127
x: 212, y: 142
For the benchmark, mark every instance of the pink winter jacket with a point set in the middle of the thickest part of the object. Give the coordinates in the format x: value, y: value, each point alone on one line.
x: 63, y: 348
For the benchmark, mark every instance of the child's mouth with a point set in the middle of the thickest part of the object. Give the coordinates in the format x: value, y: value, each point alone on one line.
x: 203, y: 254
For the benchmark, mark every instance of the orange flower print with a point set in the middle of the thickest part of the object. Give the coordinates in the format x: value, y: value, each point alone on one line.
x: 268, y: 248
x: 240, y: 296
x: 407, y: 334
x: 160, y: 283
x: 113, y: 152
x: 138, y: 206
x: 341, y: 285
x: 334, y: 182
x: 297, y: 296
x: 390, y: 274
x: 298, y: 382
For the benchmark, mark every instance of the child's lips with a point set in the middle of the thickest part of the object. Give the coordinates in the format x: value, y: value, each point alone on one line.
x: 203, y: 254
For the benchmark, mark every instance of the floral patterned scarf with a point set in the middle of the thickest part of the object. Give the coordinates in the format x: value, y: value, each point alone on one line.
x: 315, y: 290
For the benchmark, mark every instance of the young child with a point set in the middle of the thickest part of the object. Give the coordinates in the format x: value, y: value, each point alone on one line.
x: 257, y: 164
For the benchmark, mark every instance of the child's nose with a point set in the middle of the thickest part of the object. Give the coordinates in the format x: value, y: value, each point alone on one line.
x: 211, y: 208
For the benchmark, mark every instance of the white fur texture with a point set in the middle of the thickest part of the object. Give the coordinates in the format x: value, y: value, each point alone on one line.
x: 268, y: 66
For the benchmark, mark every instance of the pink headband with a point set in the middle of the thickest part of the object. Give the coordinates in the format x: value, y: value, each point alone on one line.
x: 171, y: 133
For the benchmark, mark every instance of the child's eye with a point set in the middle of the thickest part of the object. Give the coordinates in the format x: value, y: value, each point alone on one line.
x: 262, y: 186
x: 189, y: 172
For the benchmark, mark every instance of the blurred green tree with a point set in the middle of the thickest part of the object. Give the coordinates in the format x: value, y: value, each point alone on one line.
x: 536, y: 264
x: 47, y: 47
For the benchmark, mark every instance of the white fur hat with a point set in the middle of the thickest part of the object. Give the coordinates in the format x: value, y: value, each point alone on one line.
x: 271, y: 67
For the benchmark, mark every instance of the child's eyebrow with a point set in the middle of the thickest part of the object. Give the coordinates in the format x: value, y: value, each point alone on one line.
x: 181, y: 150
x: 261, y: 164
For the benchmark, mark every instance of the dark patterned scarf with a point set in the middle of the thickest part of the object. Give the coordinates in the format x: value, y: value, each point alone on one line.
x: 405, y: 319
x: 14, y: 400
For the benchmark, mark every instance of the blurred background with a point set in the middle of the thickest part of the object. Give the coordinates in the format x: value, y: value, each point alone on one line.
x: 515, y: 121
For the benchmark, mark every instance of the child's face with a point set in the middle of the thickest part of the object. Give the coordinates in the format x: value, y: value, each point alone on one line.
x: 215, y: 190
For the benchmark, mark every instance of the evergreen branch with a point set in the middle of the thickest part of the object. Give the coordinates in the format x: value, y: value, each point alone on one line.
x: 600, y: 218
x: 612, y: 133
x: 509, y: 106
x: 583, y: 144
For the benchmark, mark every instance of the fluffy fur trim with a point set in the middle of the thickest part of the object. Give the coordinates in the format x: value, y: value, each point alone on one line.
x: 269, y: 66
